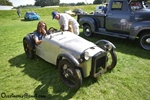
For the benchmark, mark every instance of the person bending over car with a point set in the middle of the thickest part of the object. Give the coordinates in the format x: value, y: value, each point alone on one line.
x: 40, y: 32
x: 66, y: 22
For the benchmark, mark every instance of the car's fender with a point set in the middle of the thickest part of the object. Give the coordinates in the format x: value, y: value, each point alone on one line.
x: 69, y: 57
x: 105, y: 45
x: 89, y: 21
x: 137, y: 27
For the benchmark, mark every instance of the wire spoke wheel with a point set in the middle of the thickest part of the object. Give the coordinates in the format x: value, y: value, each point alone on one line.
x: 69, y: 75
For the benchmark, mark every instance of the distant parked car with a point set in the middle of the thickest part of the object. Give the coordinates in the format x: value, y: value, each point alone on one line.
x: 79, y: 11
x: 98, y: 9
x: 31, y: 16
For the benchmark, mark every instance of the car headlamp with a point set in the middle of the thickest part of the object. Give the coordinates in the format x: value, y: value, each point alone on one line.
x: 86, y: 56
x: 108, y: 46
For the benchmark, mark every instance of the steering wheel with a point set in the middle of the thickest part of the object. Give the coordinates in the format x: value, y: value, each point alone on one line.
x: 52, y: 30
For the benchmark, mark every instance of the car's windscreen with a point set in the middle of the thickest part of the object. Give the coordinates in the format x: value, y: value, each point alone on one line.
x: 31, y: 13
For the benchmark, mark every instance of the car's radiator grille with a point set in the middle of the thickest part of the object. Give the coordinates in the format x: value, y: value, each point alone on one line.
x: 98, y: 62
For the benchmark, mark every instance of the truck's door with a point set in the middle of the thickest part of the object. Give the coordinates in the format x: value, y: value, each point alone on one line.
x: 119, y: 17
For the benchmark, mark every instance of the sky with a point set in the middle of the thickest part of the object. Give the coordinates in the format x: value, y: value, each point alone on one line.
x: 25, y: 2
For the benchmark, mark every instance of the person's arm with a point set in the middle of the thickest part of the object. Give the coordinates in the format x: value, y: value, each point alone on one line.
x: 36, y: 39
x: 37, y: 42
x: 44, y: 31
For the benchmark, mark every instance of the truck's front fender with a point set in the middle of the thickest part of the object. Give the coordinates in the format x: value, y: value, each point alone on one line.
x: 87, y: 20
x: 137, y: 27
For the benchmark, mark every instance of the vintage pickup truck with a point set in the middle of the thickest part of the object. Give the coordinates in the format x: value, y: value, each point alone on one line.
x: 127, y: 19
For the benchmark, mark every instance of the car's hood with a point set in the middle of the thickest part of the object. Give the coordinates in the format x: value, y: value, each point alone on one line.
x: 77, y: 45
x: 71, y: 42
x: 142, y: 14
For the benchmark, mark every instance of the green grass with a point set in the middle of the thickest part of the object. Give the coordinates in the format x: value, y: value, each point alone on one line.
x: 130, y: 79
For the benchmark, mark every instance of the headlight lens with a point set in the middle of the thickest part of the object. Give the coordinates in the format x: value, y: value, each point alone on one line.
x: 86, y: 56
x: 108, y: 46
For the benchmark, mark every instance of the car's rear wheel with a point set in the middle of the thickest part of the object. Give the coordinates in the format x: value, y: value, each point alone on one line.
x: 69, y: 75
x: 28, y: 49
x: 145, y: 41
x: 87, y: 31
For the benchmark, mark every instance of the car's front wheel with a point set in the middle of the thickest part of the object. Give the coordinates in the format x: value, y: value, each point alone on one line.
x: 145, y: 41
x: 111, y: 60
x: 69, y: 75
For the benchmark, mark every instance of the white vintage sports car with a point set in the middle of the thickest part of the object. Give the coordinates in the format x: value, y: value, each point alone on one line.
x: 74, y: 56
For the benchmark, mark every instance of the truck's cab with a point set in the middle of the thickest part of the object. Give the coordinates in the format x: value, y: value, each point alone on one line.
x: 126, y: 19
x: 121, y: 15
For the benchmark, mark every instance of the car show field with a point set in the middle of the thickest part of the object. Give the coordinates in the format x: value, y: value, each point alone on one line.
x: 36, y: 79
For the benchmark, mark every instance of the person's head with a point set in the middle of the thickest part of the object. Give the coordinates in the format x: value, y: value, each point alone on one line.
x: 55, y: 15
x: 106, y: 4
x: 41, y: 25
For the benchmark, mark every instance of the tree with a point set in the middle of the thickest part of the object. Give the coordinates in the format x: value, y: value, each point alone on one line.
x: 5, y: 2
x: 99, y: 1
x: 43, y: 3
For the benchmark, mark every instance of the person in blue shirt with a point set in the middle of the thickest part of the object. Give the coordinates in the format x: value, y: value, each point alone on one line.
x: 40, y: 32
x: 104, y: 10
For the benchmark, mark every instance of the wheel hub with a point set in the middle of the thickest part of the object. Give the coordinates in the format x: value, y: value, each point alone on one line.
x: 87, y: 30
x: 148, y: 40
x: 68, y: 73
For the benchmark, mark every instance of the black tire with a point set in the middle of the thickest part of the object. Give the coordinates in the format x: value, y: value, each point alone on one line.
x: 28, y: 48
x: 87, y: 31
x: 69, y: 75
x: 111, y: 60
x: 145, y: 41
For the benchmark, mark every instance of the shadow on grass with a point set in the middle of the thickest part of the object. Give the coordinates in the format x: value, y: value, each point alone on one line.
x: 51, y: 88
x: 123, y: 45
x: 23, y: 20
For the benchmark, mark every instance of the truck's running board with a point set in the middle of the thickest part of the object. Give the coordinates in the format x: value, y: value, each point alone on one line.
x: 118, y: 35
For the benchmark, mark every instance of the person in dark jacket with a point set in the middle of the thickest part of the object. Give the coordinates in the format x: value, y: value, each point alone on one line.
x: 104, y: 10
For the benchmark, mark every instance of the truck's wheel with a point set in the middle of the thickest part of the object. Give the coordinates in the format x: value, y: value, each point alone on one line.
x: 69, y: 75
x: 87, y: 31
x: 111, y: 60
x: 28, y: 49
x: 145, y: 41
